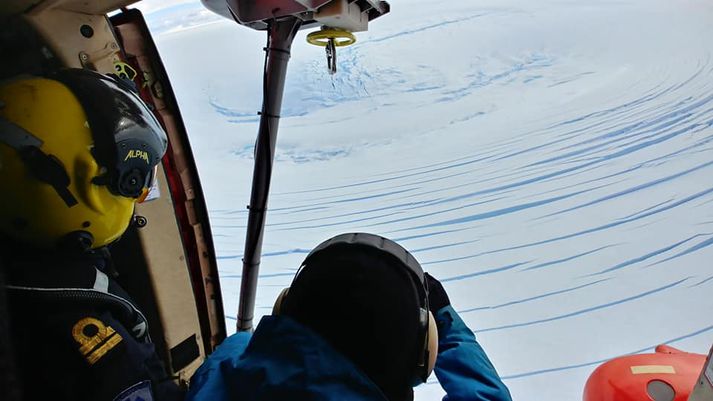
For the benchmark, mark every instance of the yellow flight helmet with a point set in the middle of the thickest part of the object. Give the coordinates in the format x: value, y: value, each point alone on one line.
x: 77, y: 150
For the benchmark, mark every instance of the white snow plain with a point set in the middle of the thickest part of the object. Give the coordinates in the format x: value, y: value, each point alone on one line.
x: 550, y: 162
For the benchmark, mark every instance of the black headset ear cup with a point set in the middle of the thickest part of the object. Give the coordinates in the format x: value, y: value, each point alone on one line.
x: 277, y: 308
x: 431, y: 344
x: 132, y: 183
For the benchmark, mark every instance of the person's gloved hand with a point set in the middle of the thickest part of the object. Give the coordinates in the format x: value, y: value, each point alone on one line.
x: 437, y: 297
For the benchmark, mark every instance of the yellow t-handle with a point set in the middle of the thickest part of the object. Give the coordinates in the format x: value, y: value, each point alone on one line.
x: 322, y: 37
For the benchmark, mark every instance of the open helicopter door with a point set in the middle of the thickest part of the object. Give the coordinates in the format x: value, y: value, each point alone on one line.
x: 165, y: 260
x: 281, y: 19
x: 177, y: 241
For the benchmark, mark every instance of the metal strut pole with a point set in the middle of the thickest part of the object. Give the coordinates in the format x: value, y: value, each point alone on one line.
x: 280, y: 35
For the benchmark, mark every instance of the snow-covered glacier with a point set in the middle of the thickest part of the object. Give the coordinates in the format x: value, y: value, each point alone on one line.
x: 551, y: 162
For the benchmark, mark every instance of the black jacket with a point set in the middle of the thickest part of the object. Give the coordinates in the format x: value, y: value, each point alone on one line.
x: 77, y: 335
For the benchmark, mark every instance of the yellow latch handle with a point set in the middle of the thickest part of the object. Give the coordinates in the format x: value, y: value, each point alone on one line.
x: 322, y: 37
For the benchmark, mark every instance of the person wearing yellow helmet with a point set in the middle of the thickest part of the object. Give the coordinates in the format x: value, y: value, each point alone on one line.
x: 78, y: 150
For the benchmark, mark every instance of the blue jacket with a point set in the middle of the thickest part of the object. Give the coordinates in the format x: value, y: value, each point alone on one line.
x: 462, y: 367
x: 286, y: 361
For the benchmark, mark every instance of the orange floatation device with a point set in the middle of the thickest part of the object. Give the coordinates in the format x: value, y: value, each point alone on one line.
x: 668, y: 374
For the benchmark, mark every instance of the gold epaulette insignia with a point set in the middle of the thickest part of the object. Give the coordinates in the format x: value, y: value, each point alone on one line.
x: 95, y: 339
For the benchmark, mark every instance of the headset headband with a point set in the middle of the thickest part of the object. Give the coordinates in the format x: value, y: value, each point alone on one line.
x: 385, y: 245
